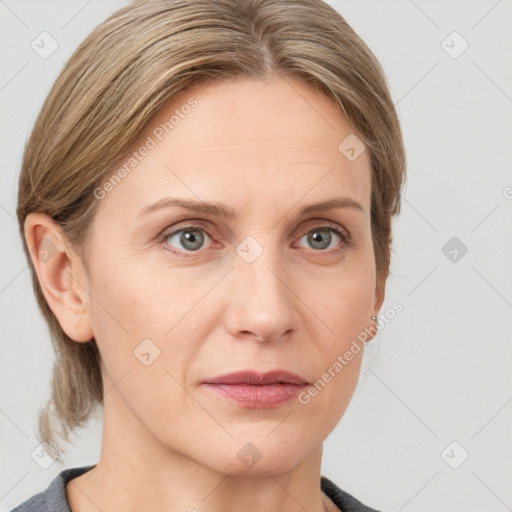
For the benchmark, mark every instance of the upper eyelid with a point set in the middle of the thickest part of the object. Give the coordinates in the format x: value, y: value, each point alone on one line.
x: 204, y: 225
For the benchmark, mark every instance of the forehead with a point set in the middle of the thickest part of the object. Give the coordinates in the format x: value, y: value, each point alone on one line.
x: 246, y: 139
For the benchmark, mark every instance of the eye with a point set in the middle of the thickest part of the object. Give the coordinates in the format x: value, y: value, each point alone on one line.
x: 321, y: 237
x: 193, y: 238
x: 188, y: 238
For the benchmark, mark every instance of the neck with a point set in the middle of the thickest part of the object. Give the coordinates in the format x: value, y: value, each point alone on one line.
x: 136, y: 471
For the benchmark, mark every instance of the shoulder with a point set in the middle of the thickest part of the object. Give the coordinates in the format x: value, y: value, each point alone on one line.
x: 343, y: 500
x: 53, y: 498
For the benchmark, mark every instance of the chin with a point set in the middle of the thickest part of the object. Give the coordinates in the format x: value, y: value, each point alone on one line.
x: 258, y: 456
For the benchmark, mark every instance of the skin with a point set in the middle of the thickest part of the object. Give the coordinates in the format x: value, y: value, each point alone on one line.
x: 265, y: 150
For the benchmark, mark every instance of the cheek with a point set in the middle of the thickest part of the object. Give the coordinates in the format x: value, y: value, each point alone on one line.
x: 345, y: 300
x: 347, y: 314
x: 122, y: 297
x: 345, y: 310
x: 136, y: 296
x: 136, y: 300
x: 133, y: 311
x: 344, y: 305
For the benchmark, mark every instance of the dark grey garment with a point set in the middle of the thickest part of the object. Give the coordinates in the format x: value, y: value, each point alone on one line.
x: 53, y: 499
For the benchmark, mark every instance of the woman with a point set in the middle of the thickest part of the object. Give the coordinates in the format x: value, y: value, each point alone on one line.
x: 206, y: 203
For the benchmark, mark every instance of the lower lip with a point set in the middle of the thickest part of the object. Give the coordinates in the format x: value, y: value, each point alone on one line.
x: 258, y: 396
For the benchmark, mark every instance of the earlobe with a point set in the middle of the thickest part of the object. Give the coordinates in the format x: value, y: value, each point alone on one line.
x: 61, y: 275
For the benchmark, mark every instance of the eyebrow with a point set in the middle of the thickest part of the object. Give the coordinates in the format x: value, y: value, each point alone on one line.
x: 219, y: 210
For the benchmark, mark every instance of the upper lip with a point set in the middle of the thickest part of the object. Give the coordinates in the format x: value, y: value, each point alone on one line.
x: 255, y: 378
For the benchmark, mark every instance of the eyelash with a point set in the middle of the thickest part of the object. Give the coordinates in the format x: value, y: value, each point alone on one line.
x: 345, y: 237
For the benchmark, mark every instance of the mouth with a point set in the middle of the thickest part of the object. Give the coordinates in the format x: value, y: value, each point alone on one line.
x: 257, y: 390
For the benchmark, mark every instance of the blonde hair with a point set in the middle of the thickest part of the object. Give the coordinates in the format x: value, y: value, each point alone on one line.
x: 119, y: 79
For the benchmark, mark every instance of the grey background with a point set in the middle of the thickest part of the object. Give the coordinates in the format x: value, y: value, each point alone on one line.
x: 441, y: 370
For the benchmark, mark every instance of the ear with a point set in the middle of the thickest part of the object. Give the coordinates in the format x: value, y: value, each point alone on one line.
x: 380, y: 294
x: 61, y: 275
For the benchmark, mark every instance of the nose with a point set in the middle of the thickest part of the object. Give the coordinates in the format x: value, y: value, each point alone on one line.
x: 262, y: 305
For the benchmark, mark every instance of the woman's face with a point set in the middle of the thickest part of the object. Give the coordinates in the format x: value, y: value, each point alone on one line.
x: 180, y: 296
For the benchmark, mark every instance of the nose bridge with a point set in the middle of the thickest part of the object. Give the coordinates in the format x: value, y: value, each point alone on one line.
x: 264, y: 305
